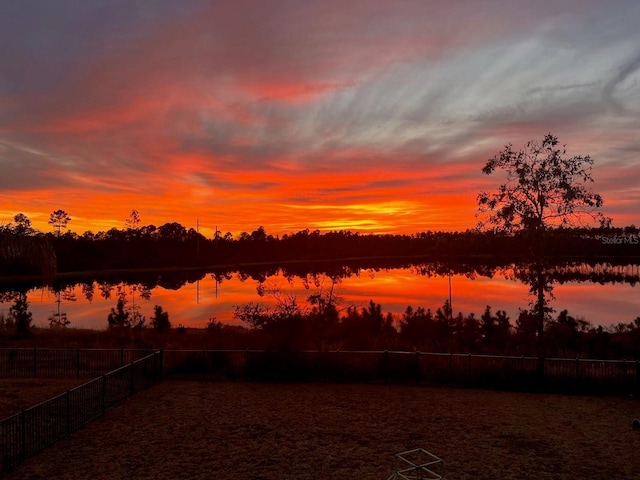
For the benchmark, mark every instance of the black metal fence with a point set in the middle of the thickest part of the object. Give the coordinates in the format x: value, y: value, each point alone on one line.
x: 64, y: 363
x: 24, y: 434
x: 484, y: 371
x: 613, y: 377
x: 129, y: 371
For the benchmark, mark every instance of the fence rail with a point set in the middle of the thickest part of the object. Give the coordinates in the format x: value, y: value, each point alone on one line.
x: 35, y: 428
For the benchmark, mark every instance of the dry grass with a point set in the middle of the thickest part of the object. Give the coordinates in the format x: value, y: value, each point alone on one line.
x: 19, y: 393
x: 201, y: 430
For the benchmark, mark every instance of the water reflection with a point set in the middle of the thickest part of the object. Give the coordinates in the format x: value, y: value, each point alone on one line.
x: 602, y: 294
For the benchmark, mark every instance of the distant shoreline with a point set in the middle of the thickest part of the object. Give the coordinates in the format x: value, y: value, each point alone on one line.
x: 239, y: 265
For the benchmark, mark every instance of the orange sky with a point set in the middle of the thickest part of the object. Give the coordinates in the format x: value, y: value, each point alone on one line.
x: 371, y: 116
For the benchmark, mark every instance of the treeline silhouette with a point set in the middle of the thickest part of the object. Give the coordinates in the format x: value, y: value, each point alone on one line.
x: 324, y: 326
x: 174, y: 246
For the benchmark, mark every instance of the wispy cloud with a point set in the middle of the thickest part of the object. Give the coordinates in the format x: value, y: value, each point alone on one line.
x: 625, y: 72
x: 303, y: 114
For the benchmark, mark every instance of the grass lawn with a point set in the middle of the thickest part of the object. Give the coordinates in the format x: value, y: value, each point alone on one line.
x: 207, y: 430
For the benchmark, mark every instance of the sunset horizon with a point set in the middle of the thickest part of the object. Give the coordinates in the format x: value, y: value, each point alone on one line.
x: 373, y: 117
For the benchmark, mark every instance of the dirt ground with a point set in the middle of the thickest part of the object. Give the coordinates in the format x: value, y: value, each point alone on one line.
x: 19, y: 393
x: 207, y: 430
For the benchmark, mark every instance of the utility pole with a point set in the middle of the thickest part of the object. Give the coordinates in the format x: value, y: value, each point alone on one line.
x: 198, y: 257
x: 198, y: 238
x: 450, y: 298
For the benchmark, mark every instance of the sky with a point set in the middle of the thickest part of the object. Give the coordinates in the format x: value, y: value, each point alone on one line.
x: 373, y: 116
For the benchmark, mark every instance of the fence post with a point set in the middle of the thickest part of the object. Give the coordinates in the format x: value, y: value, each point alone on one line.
x: 23, y: 422
x: 35, y: 362
x: 68, y: 414
x: 469, y: 371
x: 246, y: 364
x: 451, y: 368
x: 121, y: 357
x: 78, y: 363
x: 540, y: 367
x: 103, y: 399
x: 131, y: 379
x: 161, y: 365
x: 385, y: 366
x: 418, y: 368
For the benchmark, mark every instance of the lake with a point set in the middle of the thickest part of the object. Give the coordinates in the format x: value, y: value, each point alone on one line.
x: 600, y: 300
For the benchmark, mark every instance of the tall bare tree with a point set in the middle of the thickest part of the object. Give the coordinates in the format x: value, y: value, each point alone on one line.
x: 133, y: 222
x: 22, y: 225
x: 544, y: 189
x: 59, y: 220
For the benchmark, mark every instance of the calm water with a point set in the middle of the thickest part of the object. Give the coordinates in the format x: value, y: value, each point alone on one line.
x: 195, y: 303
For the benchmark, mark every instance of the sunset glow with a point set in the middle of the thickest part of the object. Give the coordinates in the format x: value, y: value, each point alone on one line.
x: 331, y: 115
